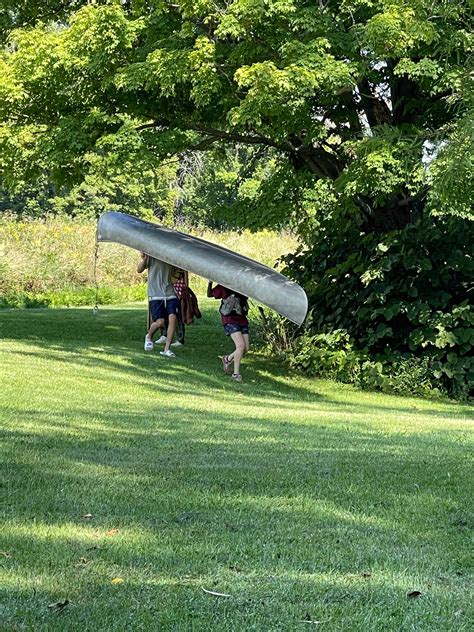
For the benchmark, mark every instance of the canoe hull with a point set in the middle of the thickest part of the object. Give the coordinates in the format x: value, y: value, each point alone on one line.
x: 208, y: 260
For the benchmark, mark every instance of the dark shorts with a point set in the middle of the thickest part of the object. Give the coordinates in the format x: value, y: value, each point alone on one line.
x: 233, y: 329
x: 161, y: 309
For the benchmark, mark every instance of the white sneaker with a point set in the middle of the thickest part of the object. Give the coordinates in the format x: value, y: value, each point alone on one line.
x: 176, y: 343
x: 148, y: 346
x: 168, y: 354
x: 161, y: 340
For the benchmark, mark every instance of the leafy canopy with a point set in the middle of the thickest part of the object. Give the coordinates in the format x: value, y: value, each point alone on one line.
x: 353, y: 94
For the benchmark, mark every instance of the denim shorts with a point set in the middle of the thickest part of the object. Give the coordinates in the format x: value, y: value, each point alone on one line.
x: 231, y: 328
x: 161, y: 309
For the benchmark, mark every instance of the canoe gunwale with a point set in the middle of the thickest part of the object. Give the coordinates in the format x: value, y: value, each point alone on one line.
x: 208, y: 260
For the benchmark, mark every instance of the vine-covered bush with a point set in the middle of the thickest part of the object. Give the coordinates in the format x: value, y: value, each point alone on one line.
x: 385, y: 307
x: 334, y: 356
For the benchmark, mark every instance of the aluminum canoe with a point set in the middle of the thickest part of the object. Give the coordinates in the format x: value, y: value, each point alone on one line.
x: 213, y: 262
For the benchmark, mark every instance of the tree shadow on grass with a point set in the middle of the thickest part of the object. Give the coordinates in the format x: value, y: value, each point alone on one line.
x: 267, y: 459
x: 195, y: 493
x: 75, y: 336
x: 270, y: 598
x: 70, y: 334
x: 287, y: 528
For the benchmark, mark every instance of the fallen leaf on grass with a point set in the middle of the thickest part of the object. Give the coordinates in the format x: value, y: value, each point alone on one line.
x: 59, y: 605
x: 83, y: 562
x: 414, y: 594
x: 118, y: 580
x: 308, y: 619
x: 112, y: 532
x: 216, y: 594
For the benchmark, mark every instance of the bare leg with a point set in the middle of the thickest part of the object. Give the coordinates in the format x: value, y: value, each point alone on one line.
x: 239, y: 352
x: 230, y: 356
x: 172, y: 320
x: 154, y: 326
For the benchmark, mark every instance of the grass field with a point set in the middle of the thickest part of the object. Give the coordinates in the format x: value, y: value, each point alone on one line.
x: 135, y: 483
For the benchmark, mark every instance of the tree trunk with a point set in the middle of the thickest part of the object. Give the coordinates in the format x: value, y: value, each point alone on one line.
x: 394, y: 216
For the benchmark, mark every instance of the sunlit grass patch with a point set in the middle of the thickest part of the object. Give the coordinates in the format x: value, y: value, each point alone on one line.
x: 303, y: 500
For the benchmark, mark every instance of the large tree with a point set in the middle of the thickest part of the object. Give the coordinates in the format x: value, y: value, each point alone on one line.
x: 350, y: 96
x: 353, y: 119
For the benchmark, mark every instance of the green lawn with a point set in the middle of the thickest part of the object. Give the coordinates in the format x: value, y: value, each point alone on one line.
x: 305, y: 501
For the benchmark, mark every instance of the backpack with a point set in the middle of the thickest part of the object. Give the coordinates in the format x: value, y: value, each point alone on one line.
x: 234, y: 303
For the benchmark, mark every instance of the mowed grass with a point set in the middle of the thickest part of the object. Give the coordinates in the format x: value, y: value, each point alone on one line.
x: 313, y: 505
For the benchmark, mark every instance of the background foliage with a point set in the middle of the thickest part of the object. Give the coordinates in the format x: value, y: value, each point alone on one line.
x: 51, y: 262
x: 348, y: 121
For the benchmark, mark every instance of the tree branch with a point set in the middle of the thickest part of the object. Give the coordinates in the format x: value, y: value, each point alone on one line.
x: 245, y: 139
x: 319, y: 161
x: 203, y: 145
x: 217, y: 134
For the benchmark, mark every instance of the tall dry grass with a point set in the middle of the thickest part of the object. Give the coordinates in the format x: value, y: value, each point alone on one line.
x: 52, y: 261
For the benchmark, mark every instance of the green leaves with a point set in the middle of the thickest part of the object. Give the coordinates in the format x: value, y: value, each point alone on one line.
x: 425, y: 67
x: 382, y: 166
x: 451, y: 173
x: 397, y: 29
x: 167, y: 69
x: 404, y: 297
x: 281, y: 93
x: 59, y: 68
x: 204, y: 78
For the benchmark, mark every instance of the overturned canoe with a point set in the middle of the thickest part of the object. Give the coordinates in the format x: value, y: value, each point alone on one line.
x: 210, y: 261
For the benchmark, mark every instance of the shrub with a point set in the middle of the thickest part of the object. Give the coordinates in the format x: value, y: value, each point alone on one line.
x: 402, y: 298
x: 334, y: 356
x: 330, y: 355
x: 271, y: 331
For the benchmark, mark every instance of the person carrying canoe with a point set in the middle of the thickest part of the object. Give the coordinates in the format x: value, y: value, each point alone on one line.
x: 162, y: 301
x: 233, y: 310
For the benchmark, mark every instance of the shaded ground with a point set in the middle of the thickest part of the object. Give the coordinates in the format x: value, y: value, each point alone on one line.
x: 303, y: 500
